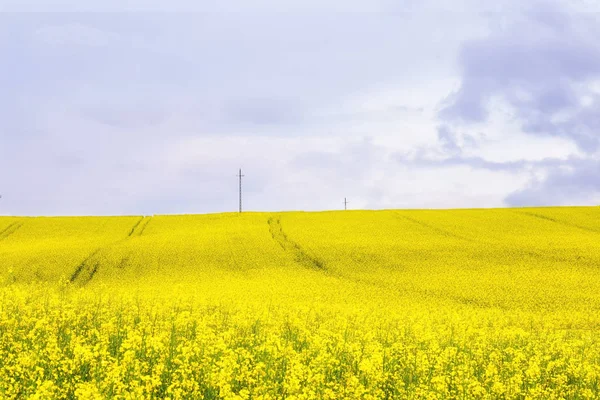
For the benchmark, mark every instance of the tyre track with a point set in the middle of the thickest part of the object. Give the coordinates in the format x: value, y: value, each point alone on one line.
x: 556, y: 221
x: 135, y: 226
x: 10, y: 230
x: 300, y: 255
x: 80, y: 268
x: 141, y: 226
x: 440, y: 231
x: 88, y: 268
x: 305, y: 259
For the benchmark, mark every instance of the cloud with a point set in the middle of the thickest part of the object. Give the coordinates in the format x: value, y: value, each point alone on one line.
x: 74, y: 34
x: 452, y: 155
x: 263, y: 111
x: 356, y: 6
x: 448, y: 140
x: 188, y: 6
x: 575, y: 182
x: 155, y: 112
x: 539, y: 65
x: 538, y: 72
x: 471, y: 162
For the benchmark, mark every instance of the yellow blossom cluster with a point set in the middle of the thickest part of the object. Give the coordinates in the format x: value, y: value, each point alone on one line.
x: 396, y: 304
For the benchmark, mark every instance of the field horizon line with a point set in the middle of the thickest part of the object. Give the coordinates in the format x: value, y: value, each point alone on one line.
x: 290, y: 211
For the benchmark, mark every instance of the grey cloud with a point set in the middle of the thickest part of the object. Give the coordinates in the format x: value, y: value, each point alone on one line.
x: 583, y: 126
x: 450, y: 152
x: 533, y: 65
x: 570, y: 183
x: 472, y: 162
x: 450, y: 149
x: 539, y: 64
x: 448, y: 140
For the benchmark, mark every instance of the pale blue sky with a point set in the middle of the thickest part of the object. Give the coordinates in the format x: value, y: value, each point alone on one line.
x: 392, y: 104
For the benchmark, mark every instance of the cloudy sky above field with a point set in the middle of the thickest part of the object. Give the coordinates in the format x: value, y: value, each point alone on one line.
x: 112, y: 107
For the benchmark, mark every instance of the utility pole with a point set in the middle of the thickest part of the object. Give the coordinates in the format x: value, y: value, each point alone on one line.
x: 240, y: 176
x: 345, y: 204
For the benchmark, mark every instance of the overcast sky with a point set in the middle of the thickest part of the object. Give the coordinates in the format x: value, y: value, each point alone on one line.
x: 150, y: 107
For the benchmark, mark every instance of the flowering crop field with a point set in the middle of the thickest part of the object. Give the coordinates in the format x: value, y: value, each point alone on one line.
x: 393, y: 304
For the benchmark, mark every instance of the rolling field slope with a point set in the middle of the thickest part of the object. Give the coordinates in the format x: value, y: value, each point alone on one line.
x: 498, y: 303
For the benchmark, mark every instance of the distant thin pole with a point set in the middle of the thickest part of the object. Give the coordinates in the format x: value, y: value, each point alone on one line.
x: 345, y: 204
x: 240, y: 176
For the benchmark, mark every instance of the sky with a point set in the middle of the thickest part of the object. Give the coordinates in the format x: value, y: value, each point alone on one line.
x: 119, y: 107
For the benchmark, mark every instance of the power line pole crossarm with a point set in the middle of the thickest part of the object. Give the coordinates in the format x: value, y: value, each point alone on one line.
x: 345, y: 204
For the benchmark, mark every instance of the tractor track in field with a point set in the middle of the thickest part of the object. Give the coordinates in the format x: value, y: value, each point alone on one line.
x: 88, y: 268
x: 9, y: 230
x: 83, y: 265
x: 556, y: 221
x: 135, y: 227
x: 440, y: 231
x: 303, y: 258
x: 300, y: 255
x: 140, y: 227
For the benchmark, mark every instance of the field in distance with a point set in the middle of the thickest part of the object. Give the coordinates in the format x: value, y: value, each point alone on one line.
x: 494, y: 303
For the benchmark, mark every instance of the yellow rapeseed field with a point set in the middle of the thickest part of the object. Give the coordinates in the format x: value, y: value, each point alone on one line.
x: 394, y: 304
